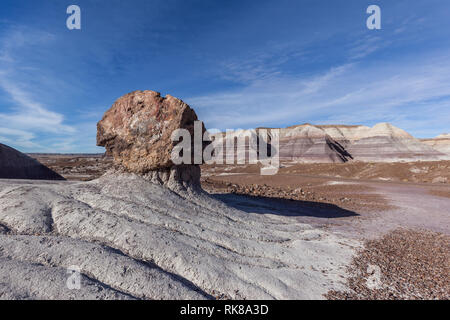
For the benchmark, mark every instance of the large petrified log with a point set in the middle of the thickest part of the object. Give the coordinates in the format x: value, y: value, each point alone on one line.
x: 137, y: 132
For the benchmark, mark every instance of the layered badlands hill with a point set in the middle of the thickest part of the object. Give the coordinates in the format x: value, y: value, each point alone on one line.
x: 340, y: 143
x: 16, y: 165
x: 307, y: 143
x: 304, y: 143
x: 441, y: 143
x: 383, y: 142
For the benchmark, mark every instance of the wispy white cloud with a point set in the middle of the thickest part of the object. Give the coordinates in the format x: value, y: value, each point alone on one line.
x: 26, y: 122
x: 412, y: 93
x: 367, y: 45
x: 19, y: 138
x: 30, y: 114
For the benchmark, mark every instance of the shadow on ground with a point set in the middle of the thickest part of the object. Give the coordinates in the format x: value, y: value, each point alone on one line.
x: 283, y: 207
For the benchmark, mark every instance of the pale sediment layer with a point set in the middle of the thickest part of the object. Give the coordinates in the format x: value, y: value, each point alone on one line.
x: 133, y: 238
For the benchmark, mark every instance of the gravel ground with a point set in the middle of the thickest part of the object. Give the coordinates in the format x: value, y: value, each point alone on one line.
x: 347, y: 196
x: 158, y: 243
x: 437, y: 172
x: 76, y: 167
x: 411, y: 265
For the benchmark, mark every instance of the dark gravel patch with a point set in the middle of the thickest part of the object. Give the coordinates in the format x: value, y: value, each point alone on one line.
x: 350, y: 197
x: 412, y: 265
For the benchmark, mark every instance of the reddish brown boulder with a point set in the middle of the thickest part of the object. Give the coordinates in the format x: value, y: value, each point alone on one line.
x: 137, y: 130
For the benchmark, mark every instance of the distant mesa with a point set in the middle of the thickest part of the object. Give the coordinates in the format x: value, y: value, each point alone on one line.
x: 443, y: 136
x: 308, y: 143
x: 16, y: 165
x: 441, y: 143
x: 341, y: 143
x: 383, y: 143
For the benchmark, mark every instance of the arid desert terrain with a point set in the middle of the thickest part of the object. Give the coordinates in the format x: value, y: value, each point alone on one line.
x: 386, y: 208
x: 353, y: 213
x: 398, y: 218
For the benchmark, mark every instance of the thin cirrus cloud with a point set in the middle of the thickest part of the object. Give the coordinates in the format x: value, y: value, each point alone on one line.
x: 23, y: 118
x: 398, y: 75
x: 30, y: 114
x: 352, y: 93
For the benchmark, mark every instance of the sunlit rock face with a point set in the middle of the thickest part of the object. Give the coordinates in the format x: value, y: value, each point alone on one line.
x: 137, y: 131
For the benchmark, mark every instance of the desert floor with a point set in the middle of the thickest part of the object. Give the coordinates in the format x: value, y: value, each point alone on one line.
x: 399, y: 211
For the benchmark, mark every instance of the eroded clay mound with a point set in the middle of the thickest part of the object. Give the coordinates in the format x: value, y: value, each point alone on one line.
x: 307, y: 143
x: 382, y: 143
x: 441, y: 143
x: 16, y: 165
x: 133, y: 238
x: 340, y: 143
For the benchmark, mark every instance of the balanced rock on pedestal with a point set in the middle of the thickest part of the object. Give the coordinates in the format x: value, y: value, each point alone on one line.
x: 137, y: 132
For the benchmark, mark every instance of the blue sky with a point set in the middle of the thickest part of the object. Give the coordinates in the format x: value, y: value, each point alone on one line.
x: 239, y: 64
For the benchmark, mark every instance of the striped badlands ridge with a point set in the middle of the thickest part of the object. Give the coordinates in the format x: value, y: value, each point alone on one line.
x: 340, y: 143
